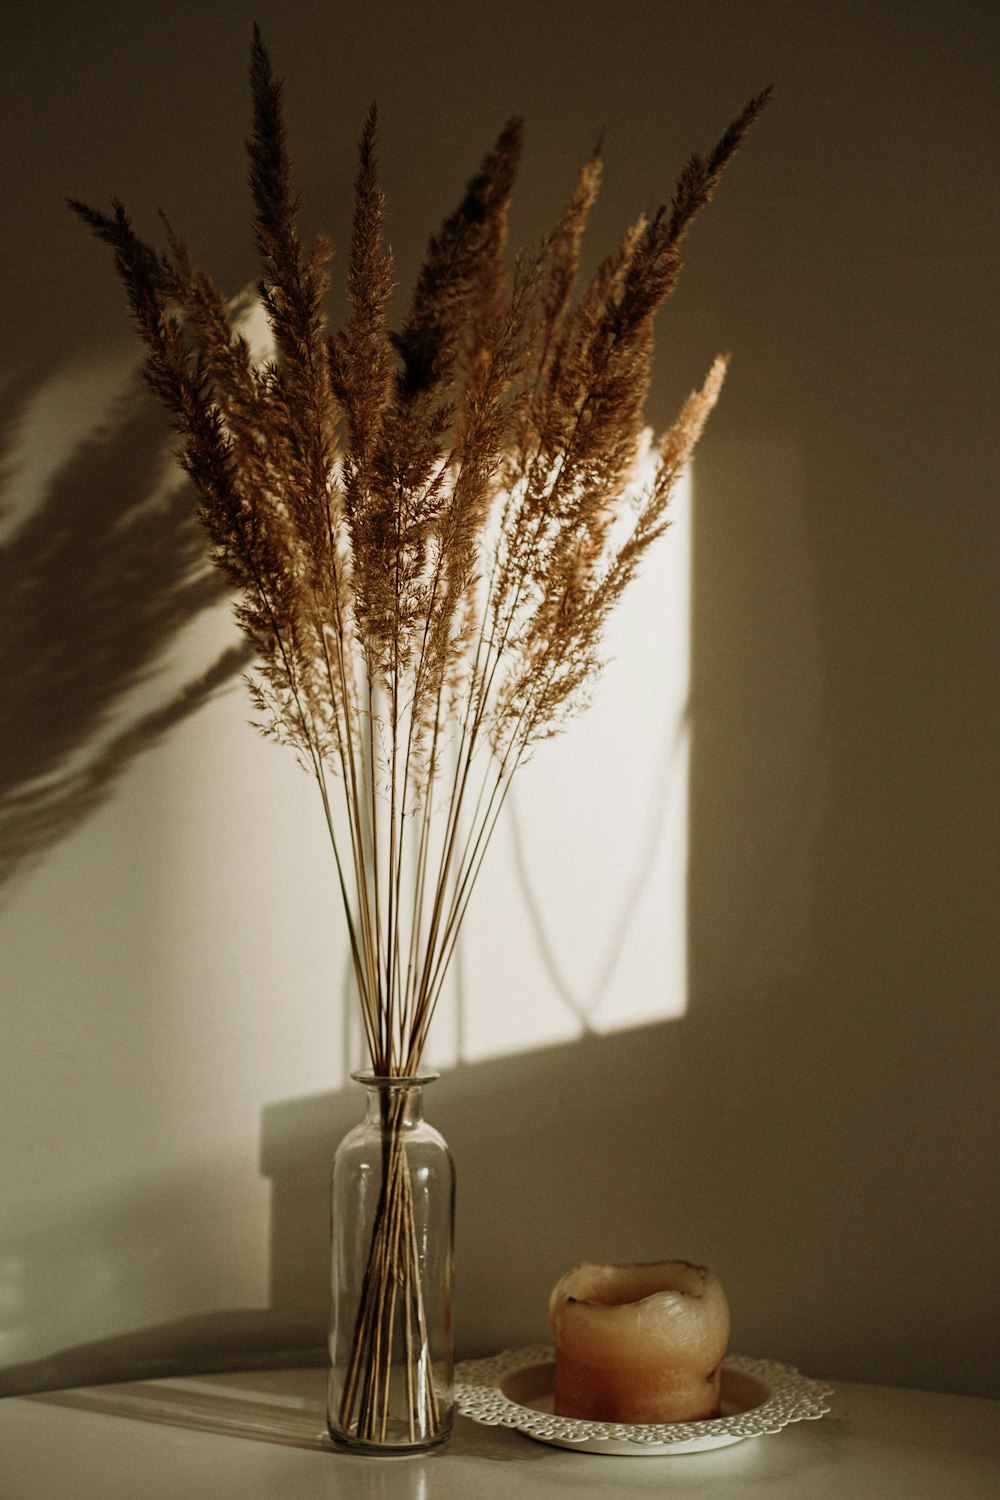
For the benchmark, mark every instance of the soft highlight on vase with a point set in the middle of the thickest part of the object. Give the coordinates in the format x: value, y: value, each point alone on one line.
x: 391, y: 1346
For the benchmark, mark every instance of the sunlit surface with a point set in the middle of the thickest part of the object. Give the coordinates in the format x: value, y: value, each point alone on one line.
x: 578, y: 920
x: 579, y: 917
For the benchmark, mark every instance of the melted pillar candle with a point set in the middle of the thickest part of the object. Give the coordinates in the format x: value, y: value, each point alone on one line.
x: 640, y: 1343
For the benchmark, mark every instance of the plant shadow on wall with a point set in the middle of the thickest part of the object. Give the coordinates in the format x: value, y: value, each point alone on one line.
x: 96, y: 581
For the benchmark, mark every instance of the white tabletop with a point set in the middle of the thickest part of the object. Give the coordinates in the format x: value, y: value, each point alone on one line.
x: 261, y: 1436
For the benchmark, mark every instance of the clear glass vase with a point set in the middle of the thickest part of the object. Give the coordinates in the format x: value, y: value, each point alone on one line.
x: 393, y: 1212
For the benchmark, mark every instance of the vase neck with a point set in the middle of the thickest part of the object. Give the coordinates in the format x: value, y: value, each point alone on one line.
x: 400, y: 1098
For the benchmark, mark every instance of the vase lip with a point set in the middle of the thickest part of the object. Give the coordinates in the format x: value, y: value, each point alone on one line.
x: 373, y: 1080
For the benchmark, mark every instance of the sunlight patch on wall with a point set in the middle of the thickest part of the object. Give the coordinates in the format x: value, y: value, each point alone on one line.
x: 579, y: 920
x: 214, y: 848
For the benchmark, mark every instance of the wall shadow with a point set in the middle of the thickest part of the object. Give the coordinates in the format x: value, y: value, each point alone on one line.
x: 556, y: 1158
x: 106, y: 1254
x: 842, y: 979
x: 95, y: 583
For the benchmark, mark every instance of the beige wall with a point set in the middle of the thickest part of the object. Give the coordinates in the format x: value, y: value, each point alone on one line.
x: 821, y: 1123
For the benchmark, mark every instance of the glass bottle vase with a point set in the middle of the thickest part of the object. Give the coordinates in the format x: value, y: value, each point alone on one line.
x: 393, y: 1209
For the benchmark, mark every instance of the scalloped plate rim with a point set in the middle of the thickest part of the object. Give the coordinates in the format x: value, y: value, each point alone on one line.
x: 476, y: 1376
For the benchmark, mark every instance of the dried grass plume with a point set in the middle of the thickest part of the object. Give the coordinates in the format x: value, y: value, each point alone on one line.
x: 421, y: 525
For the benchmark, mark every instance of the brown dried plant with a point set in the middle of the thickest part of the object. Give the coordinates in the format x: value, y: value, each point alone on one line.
x: 426, y: 531
x: 423, y: 527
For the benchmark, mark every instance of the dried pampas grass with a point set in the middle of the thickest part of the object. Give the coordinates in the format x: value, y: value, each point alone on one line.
x: 422, y: 527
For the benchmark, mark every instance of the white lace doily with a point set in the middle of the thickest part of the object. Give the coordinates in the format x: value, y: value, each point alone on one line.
x: 514, y: 1389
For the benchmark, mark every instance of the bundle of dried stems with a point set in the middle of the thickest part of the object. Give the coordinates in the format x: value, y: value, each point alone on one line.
x: 424, y: 528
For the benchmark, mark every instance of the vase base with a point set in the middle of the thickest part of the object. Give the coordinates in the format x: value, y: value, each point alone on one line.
x: 405, y: 1448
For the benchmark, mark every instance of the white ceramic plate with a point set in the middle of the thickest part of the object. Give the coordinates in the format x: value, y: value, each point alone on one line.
x: 514, y: 1389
